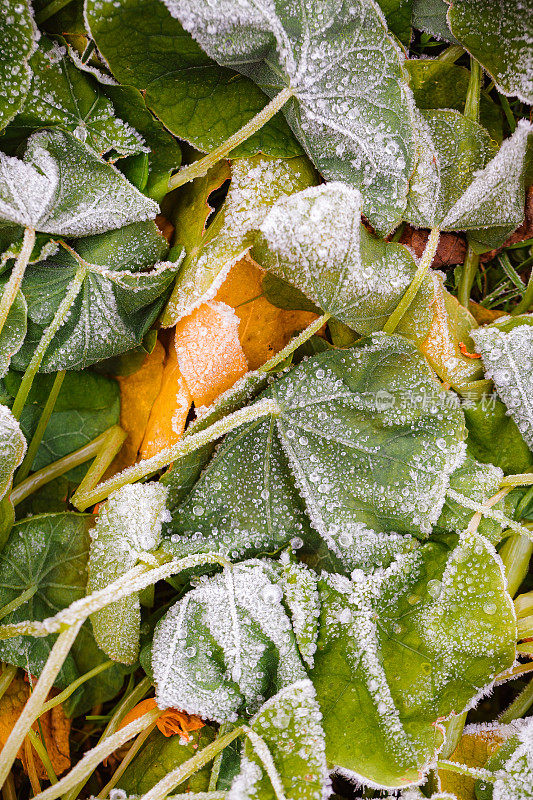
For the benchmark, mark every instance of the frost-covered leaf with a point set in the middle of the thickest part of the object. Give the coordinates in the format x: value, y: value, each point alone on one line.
x: 365, y: 442
x: 506, y: 348
x: 402, y: 648
x: 315, y: 240
x: 293, y: 763
x: 128, y: 525
x: 110, y: 315
x: 196, y: 99
x: 351, y: 107
x: 14, y: 330
x: 398, y: 15
x: 62, y: 187
x: 256, y: 183
x: 301, y: 596
x: 135, y: 247
x: 226, y: 645
x: 12, y: 448
x: 457, y: 148
x: 493, y: 437
x: 430, y: 16
x: 62, y: 95
x: 18, y: 36
x: 47, y: 555
x: 499, y: 36
x: 512, y: 764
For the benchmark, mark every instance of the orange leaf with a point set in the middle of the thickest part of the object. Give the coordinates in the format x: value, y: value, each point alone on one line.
x: 54, y: 724
x: 169, y: 412
x: 264, y: 329
x: 210, y: 355
x: 171, y: 722
x: 474, y: 749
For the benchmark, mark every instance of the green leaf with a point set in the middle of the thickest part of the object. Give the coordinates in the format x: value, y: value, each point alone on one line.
x: 12, y: 448
x: 18, y: 36
x: 293, y: 764
x: 499, y: 39
x: 351, y: 107
x: 506, y: 348
x: 194, y: 98
x: 128, y: 525
x: 14, y: 330
x: 159, y: 756
x: 48, y: 555
x: 512, y: 764
x: 62, y: 95
x: 493, y: 437
x: 315, y: 241
x: 398, y: 15
x: 134, y: 247
x: 226, y: 644
x: 110, y: 315
x: 404, y: 647
x: 61, y: 187
x: 301, y: 596
x: 430, y: 16
x: 364, y: 443
x: 256, y: 183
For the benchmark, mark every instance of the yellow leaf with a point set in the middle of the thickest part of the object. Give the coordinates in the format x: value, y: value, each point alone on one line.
x: 210, y: 356
x: 264, y: 329
x: 474, y: 750
x: 169, y: 412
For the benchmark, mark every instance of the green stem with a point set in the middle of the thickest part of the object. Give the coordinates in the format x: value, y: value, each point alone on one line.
x: 22, y: 598
x: 126, y: 761
x: 217, y: 762
x: 422, y: 269
x: 519, y: 706
x: 181, y: 773
x: 294, y: 344
x: 25, y: 467
x: 41, y: 751
x: 451, y: 54
x: 526, y: 303
x: 71, y: 688
x: 454, y: 731
x: 49, y: 10
x: 468, y: 276
x: 31, y: 710
x: 199, y: 168
x: 6, y: 678
x: 524, y: 604
x: 523, y: 479
x: 182, y: 448
x: 59, y: 467
x: 473, y: 94
x: 524, y: 503
x: 58, y: 320
x: 516, y: 553
x: 463, y: 769
x: 511, y: 121
x: 17, y: 274
x: 525, y: 627
x: 110, y: 447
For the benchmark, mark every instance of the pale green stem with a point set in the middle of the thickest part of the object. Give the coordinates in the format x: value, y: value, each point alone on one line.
x: 524, y: 604
x: 294, y: 344
x: 454, y: 731
x: 525, y: 649
x: 422, y: 269
x: 24, y: 469
x: 6, y: 678
x: 182, y: 448
x: 473, y: 94
x: 495, y: 514
x: 49, y: 333
x: 32, y: 708
x: 451, y: 54
x: 265, y: 756
x: 174, y: 778
x: 114, y: 441
x: 17, y: 274
x: 468, y: 275
x: 525, y: 627
x: 520, y: 705
x: 516, y: 553
x: 126, y: 761
x: 59, y: 467
x: 22, y: 598
x: 93, y: 757
x: 133, y: 581
x: 41, y: 751
x: 524, y: 479
x: 215, y: 769
x: 200, y: 167
x: 463, y: 769
x: 526, y: 303
x: 49, y: 10
x: 71, y: 688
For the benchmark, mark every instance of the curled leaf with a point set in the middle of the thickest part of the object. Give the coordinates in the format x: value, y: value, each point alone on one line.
x: 12, y: 448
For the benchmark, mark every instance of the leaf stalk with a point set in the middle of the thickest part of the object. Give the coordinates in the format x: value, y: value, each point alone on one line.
x: 17, y: 274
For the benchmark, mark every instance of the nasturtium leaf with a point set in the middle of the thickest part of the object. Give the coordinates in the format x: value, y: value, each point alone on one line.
x: 398, y: 15
x: 430, y: 16
x: 402, y: 648
x: 365, y: 443
x: 226, y: 645
x: 300, y: 593
x: 315, y: 240
x: 159, y: 756
x: 128, y: 525
x: 458, y: 148
x: 512, y: 764
x: 14, y: 330
x: 109, y: 316
x: 135, y: 247
x: 499, y: 37
x: 47, y: 554
x: 62, y: 187
x: 289, y: 725
x: 493, y: 437
x: 196, y: 99
x: 350, y: 107
x: 256, y: 183
x: 12, y: 448
x: 62, y: 95
x: 18, y: 36
x: 506, y: 348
